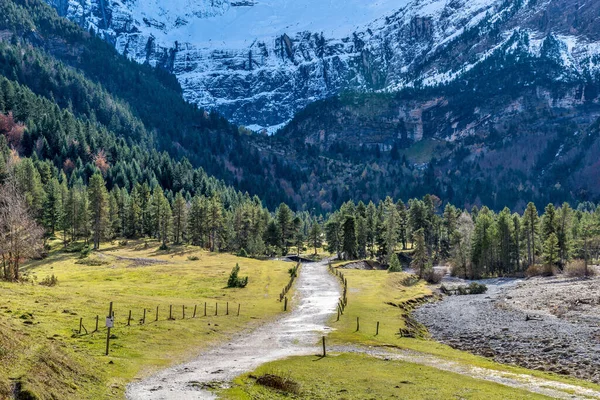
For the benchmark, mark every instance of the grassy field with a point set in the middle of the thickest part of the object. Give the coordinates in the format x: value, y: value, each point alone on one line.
x: 350, y: 376
x: 41, y: 350
x: 380, y: 296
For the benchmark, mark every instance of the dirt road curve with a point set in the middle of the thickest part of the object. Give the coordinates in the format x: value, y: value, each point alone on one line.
x: 296, y: 333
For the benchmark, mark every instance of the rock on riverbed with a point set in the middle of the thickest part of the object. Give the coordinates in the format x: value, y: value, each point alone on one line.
x: 550, y: 324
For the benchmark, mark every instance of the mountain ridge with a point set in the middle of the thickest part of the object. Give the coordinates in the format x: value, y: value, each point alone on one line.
x: 265, y: 80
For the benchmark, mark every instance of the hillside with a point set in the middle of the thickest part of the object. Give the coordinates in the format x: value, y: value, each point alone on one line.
x: 135, y: 104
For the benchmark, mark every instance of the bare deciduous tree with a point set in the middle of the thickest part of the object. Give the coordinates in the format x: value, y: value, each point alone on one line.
x: 20, y: 236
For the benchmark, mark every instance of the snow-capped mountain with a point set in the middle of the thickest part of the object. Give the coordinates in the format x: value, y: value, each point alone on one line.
x: 260, y: 61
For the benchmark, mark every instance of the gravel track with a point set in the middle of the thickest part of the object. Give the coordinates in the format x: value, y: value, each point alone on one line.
x: 295, y: 333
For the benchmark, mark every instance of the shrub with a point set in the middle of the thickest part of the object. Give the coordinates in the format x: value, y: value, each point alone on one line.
x: 432, y: 276
x: 123, y: 243
x: 234, y: 280
x: 163, y: 247
x: 85, y: 251
x: 576, y: 268
x: 539, y: 270
x: 193, y: 258
x: 477, y: 288
x: 243, y: 253
x: 49, y: 281
x: 293, y: 271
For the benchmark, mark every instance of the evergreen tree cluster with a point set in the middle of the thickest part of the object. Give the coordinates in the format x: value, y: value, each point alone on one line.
x: 479, y: 243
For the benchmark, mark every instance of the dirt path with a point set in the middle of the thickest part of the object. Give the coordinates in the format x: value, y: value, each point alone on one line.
x: 296, y: 333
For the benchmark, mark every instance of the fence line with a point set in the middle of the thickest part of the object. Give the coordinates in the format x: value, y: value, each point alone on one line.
x: 287, y: 288
x: 130, y: 317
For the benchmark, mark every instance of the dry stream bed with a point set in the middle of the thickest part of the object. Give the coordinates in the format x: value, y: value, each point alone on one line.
x: 547, y: 324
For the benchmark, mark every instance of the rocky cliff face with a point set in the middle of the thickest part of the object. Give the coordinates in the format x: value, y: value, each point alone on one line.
x: 258, y: 65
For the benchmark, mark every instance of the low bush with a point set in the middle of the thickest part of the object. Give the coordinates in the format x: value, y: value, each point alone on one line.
x: 577, y: 268
x: 293, y: 271
x: 193, y: 258
x: 477, y: 288
x: 123, y: 243
x: 243, y: 253
x: 539, y: 270
x: 85, y: 251
x: 432, y: 276
x: 49, y: 281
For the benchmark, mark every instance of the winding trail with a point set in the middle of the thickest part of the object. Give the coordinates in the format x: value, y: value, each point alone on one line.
x: 295, y: 333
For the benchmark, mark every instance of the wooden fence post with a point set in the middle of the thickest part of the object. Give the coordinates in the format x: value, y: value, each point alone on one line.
x: 80, y: 324
x: 129, y: 319
x: 183, y: 312
x: 170, y: 311
x: 227, y: 309
x: 156, y: 314
x: 239, y: 305
x: 285, y: 304
x: 377, y: 331
x: 216, y: 308
x: 205, y: 309
x: 357, y: 324
x: 97, y: 318
x: 195, y: 306
x: 338, y: 310
x: 110, y: 313
x: 144, y: 317
x: 324, y: 351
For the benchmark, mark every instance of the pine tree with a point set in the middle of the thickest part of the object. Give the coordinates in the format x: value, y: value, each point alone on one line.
x: 564, y: 232
x: 531, y: 229
x: 551, y: 251
x: 161, y: 215
x: 284, y: 217
x: 98, y: 200
x: 483, y: 244
x: 549, y: 221
x: 349, y: 244
x: 333, y: 236
x: 315, y: 236
x: 215, y: 223
x: 395, y: 265
x: 179, y: 218
x: 420, y: 259
x: 197, y: 221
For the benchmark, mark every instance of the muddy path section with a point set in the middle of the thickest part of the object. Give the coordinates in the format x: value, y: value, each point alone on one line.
x: 512, y: 324
x: 295, y: 333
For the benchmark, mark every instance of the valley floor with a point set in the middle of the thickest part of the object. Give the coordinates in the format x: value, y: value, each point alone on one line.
x: 546, y: 324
